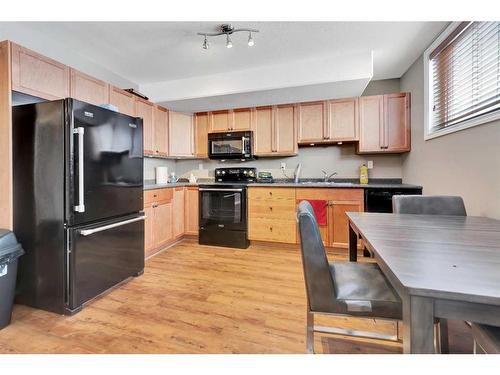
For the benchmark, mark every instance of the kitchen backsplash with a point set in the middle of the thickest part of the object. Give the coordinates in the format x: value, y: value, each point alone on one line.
x: 340, y: 159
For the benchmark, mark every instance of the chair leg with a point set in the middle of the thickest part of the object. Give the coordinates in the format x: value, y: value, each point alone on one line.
x: 310, y: 332
x: 443, y: 335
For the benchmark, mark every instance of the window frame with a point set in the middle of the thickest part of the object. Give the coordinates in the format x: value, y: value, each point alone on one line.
x: 428, y: 95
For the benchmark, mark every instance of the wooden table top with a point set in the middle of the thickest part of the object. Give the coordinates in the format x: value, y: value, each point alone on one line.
x: 452, y: 257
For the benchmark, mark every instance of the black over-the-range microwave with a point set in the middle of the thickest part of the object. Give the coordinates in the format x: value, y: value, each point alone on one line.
x: 230, y: 145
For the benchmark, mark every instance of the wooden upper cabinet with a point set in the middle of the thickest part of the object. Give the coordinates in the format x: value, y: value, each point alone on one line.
x: 312, y: 122
x: 88, y: 89
x: 371, y: 124
x: 220, y: 121
x: 123, y: 100
x: 264, y: 128
x: 201, y: 126
x: 384, y: 123
x: 180, y: 134
x: 38, y: 75
x: 242, y: 119
x: 343, y: 121
x: 397, y: 122
x: 145, y: 110
x: 285, y: 139
x: 160, y: 134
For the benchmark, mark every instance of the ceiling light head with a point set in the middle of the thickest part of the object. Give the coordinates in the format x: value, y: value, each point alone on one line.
x: 251, y: 42
x: 229, y: 43
x: 206, y: 45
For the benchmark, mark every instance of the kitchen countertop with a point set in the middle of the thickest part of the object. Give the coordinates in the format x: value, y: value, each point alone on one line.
x: 379, y: 183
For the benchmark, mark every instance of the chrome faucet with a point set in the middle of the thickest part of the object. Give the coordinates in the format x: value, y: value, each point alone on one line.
x: 326, y: 176
x: 296, y: 173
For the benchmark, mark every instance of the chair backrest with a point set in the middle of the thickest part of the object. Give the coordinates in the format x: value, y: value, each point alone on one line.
x: 428, y: 205
x: 319, y: 284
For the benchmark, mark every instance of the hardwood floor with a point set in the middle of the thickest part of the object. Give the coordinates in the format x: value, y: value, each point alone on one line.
x: 200, y: 299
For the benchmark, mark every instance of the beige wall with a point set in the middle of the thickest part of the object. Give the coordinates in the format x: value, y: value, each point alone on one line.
x: 465, y: 163
x: 383, y: 86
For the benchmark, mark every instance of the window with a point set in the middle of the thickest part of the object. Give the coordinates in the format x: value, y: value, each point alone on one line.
x: 462, y: 78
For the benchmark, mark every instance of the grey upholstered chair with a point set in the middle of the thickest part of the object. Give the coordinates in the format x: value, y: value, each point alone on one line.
x: 341, y: 288
x: 428, y: 205
x: 486, y: 338
x: 431, y: 205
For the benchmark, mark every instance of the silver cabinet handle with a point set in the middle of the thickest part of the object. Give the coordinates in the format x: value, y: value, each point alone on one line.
x: 81, y: 182
x: 221, y: 190
x: 88, y: 232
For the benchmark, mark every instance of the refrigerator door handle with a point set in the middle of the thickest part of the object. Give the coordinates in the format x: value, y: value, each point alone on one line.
x: 88, y: 232
x: 80, y: 131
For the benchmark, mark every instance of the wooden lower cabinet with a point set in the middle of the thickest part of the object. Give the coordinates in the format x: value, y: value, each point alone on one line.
x: 271, y: 214
x: 191, y: 211
x: 339, y: 201
x: 178, y: 212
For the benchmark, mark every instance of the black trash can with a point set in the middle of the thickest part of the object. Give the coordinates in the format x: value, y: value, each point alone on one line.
x: 10, y: 251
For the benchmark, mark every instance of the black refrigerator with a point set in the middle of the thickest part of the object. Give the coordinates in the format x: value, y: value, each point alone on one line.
x: 78, y: 197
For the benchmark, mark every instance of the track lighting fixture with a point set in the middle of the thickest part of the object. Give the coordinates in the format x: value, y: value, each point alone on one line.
x: 227, y: 30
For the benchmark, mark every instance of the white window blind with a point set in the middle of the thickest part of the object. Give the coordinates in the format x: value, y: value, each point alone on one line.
x: 465, y: 75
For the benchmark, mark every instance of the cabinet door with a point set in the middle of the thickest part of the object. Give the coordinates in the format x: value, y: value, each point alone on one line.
x: 178, y: 212
x: 242, y: 119
x: 284, y: 130
x: 180, y: 128
x: 38, y: 75
x: 343, y: 120
x: 397, y: 122
x: 149, y: 242
x: 145, y: 110
x: 264, y: 127
x: 312, y: 122
x: 160, y: 134
x: 201, y: 125
x: 220, y: 121
x: 88, y: 89
x: 123, y: 100
x: 163, y: 229
x: 371, y: 123
x: 338, y: 223
x: 191, y: 210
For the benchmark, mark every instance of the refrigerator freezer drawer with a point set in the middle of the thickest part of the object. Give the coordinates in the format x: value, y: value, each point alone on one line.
x: 102, y: 255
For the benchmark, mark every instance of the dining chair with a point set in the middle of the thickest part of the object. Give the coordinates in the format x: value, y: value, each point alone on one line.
x: 486, y: 338
x: 342, y: 288
x: 431, y: 205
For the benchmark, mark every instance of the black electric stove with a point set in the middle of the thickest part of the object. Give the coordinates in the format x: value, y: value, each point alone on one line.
x: 223, y: 208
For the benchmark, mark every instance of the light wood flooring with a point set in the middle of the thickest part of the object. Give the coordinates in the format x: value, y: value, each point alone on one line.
x: 201, y: 299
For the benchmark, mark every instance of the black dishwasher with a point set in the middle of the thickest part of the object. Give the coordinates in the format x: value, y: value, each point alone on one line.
x: 380, y: 199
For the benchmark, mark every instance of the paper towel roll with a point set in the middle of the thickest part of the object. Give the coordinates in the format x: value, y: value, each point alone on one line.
x: 161, y: 175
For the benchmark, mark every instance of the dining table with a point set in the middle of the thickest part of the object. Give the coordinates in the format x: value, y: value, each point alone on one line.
x: 442, y: 267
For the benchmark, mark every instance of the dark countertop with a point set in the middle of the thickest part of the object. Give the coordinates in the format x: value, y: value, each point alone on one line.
x: 375, y: 183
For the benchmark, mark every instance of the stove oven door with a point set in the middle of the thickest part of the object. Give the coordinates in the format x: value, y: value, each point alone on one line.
x: 223, y: 208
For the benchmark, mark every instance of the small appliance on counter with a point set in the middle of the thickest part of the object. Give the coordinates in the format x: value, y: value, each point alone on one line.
x: 223, y: 208
x: 161, y: 175
x: 265, y: 177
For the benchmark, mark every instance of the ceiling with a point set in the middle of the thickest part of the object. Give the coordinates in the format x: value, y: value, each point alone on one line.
x: 149, y: 52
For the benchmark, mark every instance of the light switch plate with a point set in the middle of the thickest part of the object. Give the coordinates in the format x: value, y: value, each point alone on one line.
x: 283, y: 166
x: 369, y: 164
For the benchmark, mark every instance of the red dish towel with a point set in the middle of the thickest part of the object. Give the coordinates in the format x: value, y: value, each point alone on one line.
x: 319, y: 207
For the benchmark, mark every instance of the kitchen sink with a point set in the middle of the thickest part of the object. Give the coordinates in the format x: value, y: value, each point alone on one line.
x: 327, y: 183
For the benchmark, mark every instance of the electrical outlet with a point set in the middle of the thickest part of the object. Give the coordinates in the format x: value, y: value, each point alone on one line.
x: 283, y: 166
x: 200, y: 166
x: 370, y: 164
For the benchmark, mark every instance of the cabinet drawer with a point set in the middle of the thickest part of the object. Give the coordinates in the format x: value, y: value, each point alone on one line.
x: 272, y: 230
x: 330, y: 194
x: 283, y: 209
x: 271, y: 193
x: 158, y: 195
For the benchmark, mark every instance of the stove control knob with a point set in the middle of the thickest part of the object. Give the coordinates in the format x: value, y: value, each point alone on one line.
x: 251, y: 173
x: 223, y: 172
x: 245, y: 173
